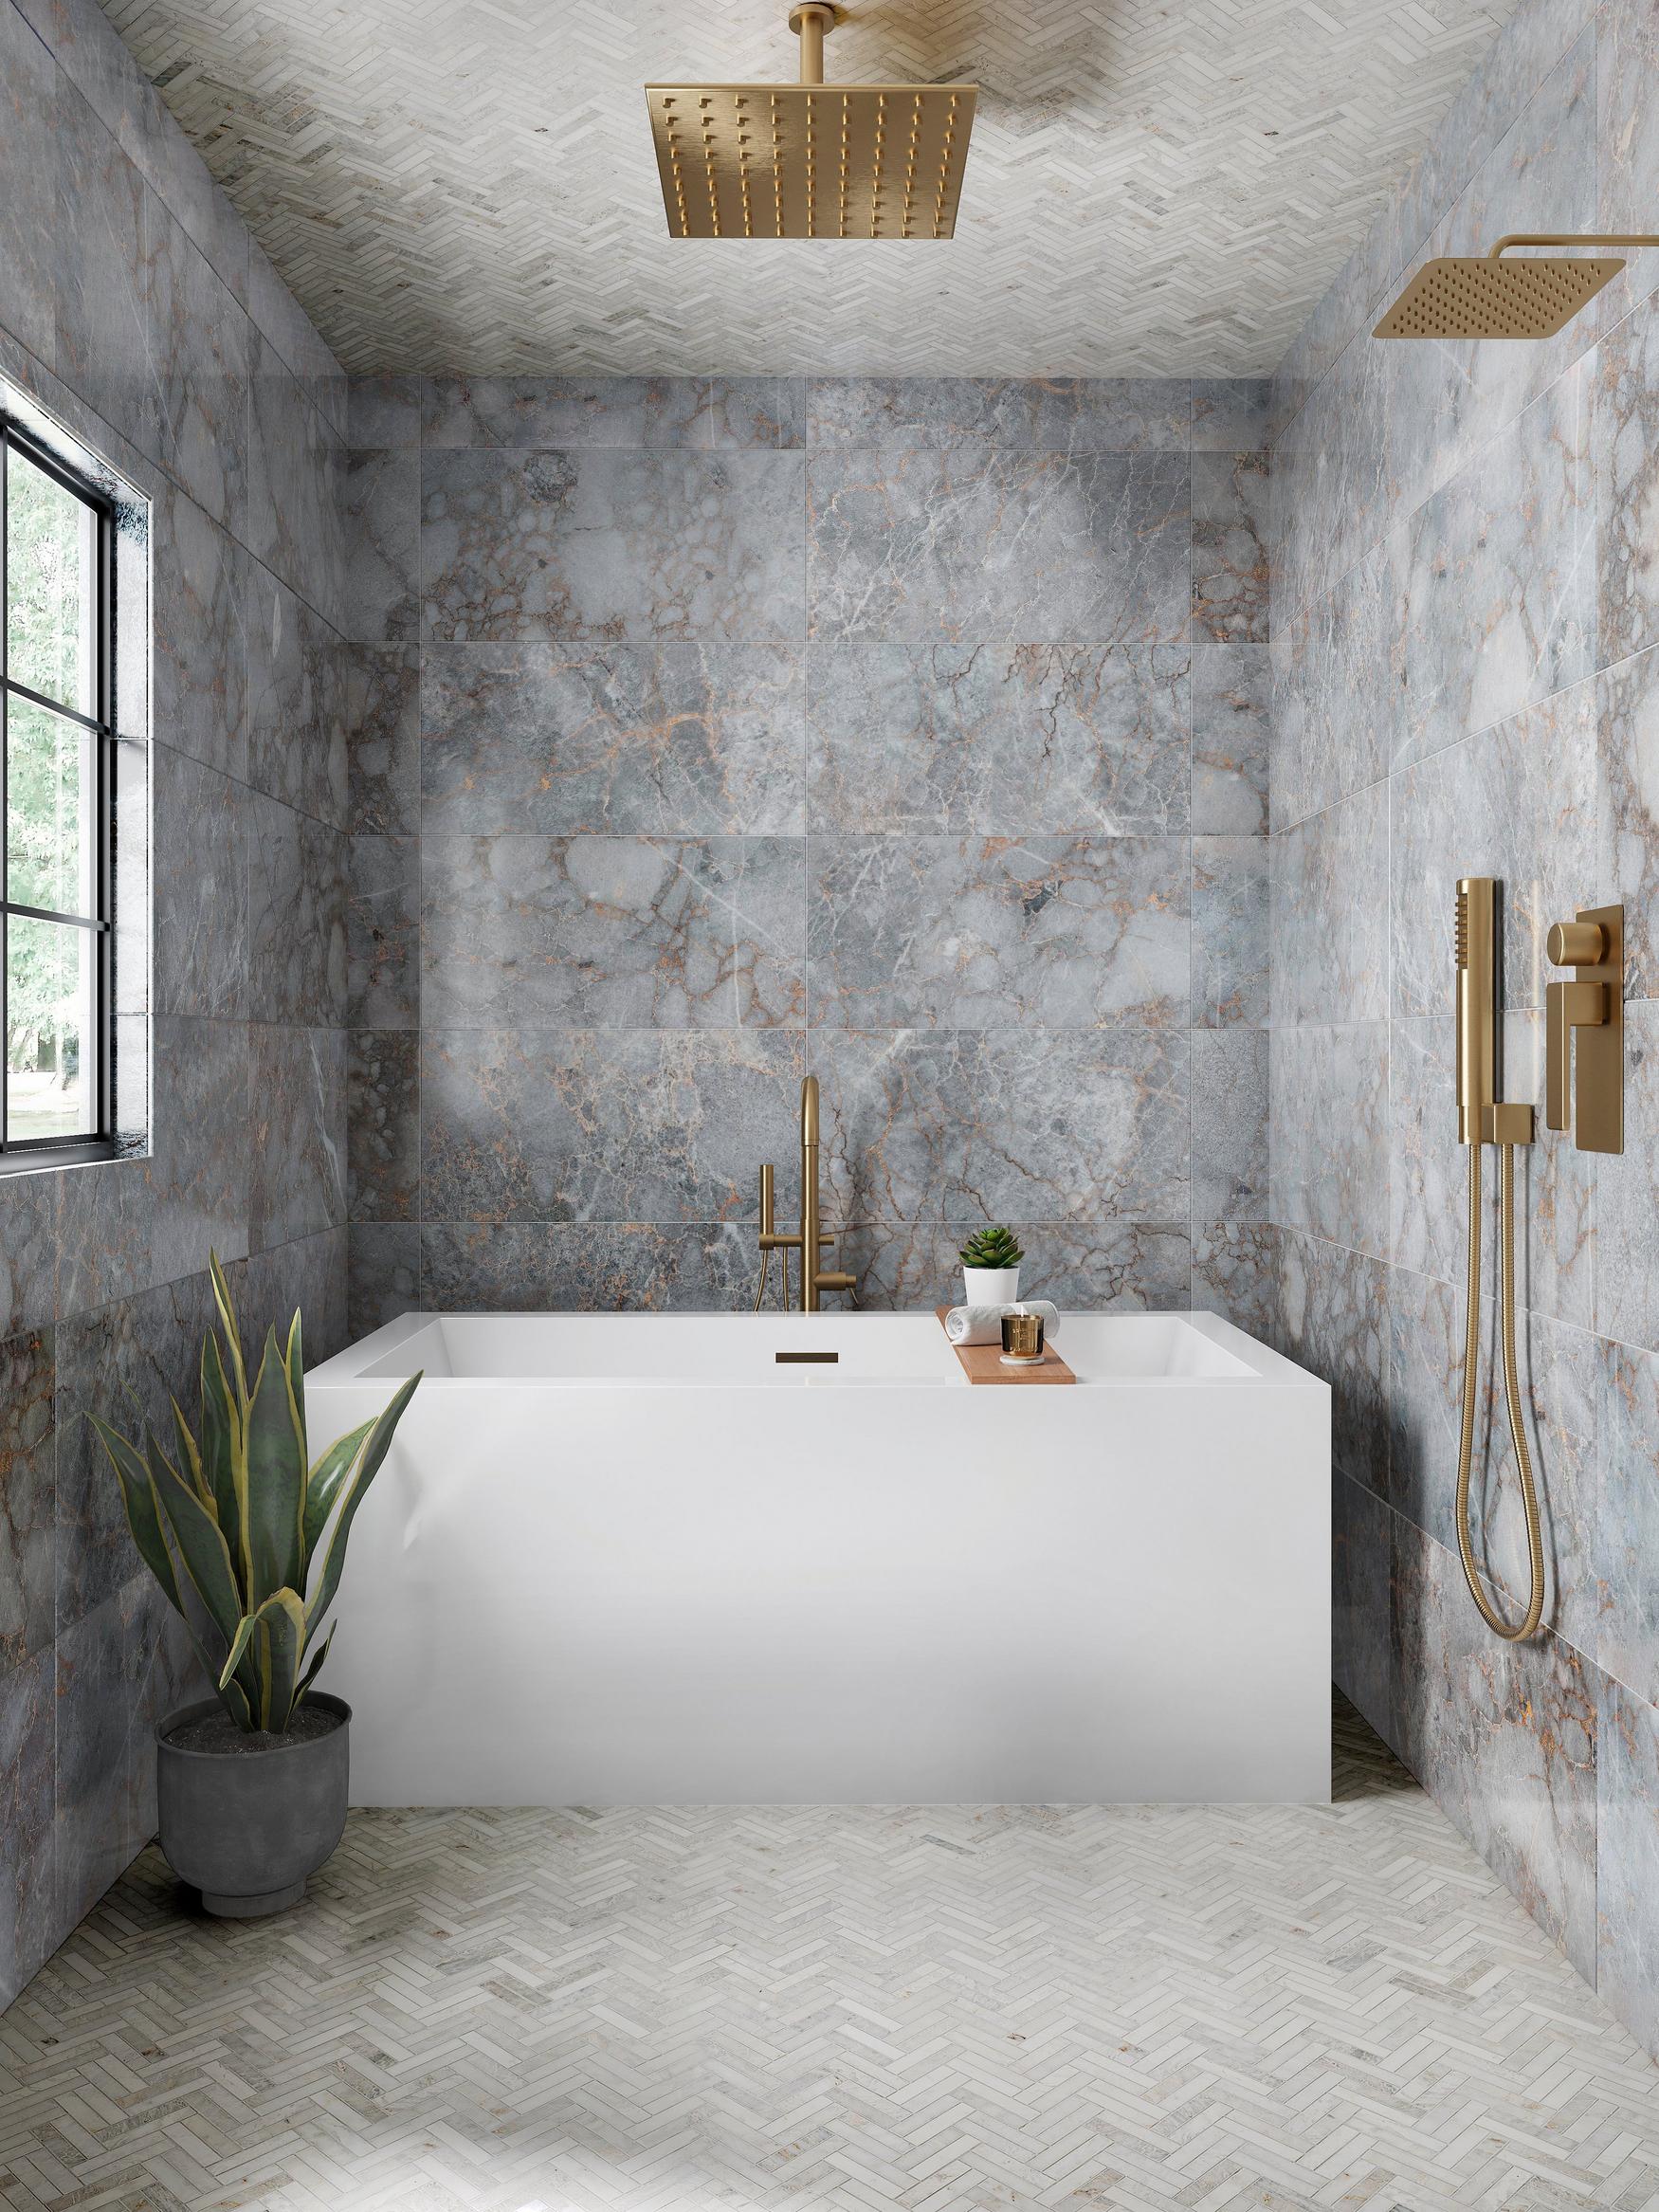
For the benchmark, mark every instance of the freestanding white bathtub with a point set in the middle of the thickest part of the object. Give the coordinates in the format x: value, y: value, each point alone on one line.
x: 634, y: 1559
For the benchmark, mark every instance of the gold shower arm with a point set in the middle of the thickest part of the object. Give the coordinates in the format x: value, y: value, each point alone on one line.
x: 1573, y: 238
x: 811, y: 22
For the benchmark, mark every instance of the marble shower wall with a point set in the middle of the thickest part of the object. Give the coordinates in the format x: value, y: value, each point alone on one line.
x: 136, y: 309
x: 1465, y: 677
x: 709, y: 729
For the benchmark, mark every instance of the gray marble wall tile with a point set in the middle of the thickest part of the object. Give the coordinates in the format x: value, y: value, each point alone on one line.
x: 1627, y: 1216
x: 1056, y: 415
x: 384, y: 1276
x: 591, y: 1267
x: 1331, y: 913
x: 1522, y: 802
x: 383, y: 932
x: 1624, y: 1635
x: 1124, y: 1264
x: 297, y: 705
x: 381, y: 698
x: 119, y: 1672
x: 563, y: 411
x: 975, y: 543
x: 199, y: 889
x: 29, y: 1926
x: 308, y: 1274
x: 1235, y: 1274
x: 200, y: 591
x: 317, y: 375
x: 1334, y: 691
x: 297, y: 914
x: 1627, y: 1952
x: 126, y: 1224
x: 995, y: 933
x: 28, y: 1251
x: 1624, y: 847
x: 27, y: 1496
x: 1229, y: 1127
x: 1361, y: 1545
x: 297, y: 1133
x: 29, y: 263
x: 612, y: 932
x: 927, y: 1132
x: 613, y: 1125
x: 1622, y: 441
x: 1333, y: 1319
x: 763, y: 413
x: 692, y: 739
x: 1026, y: 739
x: 1497, y: 598
x: 1627, y: 140
x: 1329, y: 1119
x: 383, y: 1125
x: 1232, y: 414
x: 1230, y: 547
x: 104, y: 331
x: 203, y: 371
x: 383, y: 410
x: 1229, y: 931
x: 610, y: 547
x: 1232, y: 727
x: 383, y: 544
x: 1504, y: 1739
x: 123, y: 1362
x: 296, y: 470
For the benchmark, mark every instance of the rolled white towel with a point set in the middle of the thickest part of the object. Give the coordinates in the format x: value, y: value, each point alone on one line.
x: 982, y: 1324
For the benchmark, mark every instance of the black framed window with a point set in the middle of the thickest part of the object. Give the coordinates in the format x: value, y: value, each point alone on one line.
x: 56, y: 776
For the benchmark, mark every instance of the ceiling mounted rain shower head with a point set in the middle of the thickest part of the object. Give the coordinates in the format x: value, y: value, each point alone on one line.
x: 812, y: 160
x: 1493, y: 298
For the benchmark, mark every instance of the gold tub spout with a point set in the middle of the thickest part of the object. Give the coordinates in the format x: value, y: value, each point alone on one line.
x: 810, y: 1238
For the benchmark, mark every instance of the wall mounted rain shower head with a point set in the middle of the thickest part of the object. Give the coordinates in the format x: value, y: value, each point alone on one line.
x: 1493, y: 298
x: 812, y: 160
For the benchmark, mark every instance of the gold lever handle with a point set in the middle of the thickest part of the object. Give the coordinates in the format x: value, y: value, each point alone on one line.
x: 1567, y: 1007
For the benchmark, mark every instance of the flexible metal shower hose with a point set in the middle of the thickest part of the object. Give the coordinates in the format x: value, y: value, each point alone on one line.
x: 1494, y: 1620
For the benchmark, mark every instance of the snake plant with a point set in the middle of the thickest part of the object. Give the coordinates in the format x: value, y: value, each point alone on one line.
x: 992, y: 1248
x: 244, y: 1522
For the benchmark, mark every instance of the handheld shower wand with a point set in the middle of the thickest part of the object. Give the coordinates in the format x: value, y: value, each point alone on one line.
x: 1482, y: 1119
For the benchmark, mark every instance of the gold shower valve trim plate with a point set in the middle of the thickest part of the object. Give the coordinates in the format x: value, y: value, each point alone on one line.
x: 1487, y: 297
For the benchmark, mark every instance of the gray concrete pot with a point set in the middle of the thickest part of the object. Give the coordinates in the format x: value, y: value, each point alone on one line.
x: 249, y: 1828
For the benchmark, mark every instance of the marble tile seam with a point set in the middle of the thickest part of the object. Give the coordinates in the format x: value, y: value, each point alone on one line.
x: 1498, y: 1595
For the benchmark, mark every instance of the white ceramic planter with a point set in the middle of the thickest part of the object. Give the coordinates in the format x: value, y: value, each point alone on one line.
x: 991, y: 1286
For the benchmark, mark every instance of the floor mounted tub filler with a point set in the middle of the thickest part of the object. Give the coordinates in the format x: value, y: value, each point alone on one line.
x: 637, y: 1558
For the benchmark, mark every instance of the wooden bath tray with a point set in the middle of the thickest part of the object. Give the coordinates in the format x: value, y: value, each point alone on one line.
x: 983, y: 1362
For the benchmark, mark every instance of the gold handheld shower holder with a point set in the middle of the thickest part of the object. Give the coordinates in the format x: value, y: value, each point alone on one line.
x: 1487, y: 297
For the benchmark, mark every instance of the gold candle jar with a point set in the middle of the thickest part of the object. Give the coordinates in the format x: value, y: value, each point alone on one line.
x: 1022, y: 1339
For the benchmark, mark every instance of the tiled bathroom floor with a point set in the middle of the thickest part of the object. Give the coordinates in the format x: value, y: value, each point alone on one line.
x: 1143, y: 2008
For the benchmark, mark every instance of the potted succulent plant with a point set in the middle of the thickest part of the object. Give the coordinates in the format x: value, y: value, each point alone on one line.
x: 246, y: 1536
x: 991, y: 1266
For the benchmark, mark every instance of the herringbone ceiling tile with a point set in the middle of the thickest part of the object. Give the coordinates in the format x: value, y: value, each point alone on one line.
x: 1154, y: 187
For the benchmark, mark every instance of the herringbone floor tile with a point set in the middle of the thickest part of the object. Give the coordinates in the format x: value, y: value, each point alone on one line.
x: 879, y: 2009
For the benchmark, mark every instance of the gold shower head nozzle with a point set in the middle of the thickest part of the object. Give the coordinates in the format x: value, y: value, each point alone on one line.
x: 1488, y: 297
x: 812, y: 160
